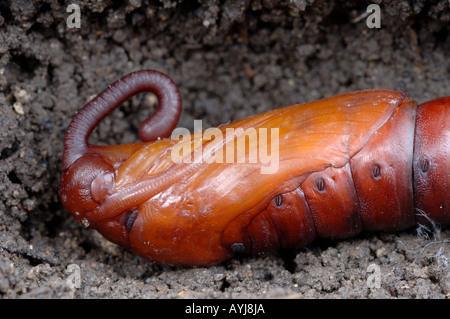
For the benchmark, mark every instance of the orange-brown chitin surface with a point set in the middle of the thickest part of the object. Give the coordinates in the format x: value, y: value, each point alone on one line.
x: 344, y: 164
x: 432, y: 161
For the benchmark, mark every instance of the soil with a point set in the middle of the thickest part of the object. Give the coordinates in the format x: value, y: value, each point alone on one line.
x: 230, y: 59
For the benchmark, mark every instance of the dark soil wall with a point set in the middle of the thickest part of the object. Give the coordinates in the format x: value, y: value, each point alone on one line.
x: 230, y: 59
